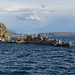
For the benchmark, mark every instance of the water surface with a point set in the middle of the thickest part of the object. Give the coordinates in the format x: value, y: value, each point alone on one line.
x: 27, y: 59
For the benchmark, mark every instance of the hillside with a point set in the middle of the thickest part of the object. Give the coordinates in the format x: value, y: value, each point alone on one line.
x: 4, y: 34
x: 14, y: 34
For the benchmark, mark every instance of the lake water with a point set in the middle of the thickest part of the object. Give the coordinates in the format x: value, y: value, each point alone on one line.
x: 27, y: 59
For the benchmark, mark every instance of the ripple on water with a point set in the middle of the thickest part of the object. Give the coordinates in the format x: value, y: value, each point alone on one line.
x: 26, y: 59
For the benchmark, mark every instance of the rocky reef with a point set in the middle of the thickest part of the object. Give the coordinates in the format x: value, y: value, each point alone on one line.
x: 30, y: 39
x: 4, y: 35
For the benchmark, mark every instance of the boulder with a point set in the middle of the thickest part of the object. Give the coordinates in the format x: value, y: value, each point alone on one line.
x: 69, y: 43
x: 39, y: 38
x: 59, y: 41
x: 46, y: 39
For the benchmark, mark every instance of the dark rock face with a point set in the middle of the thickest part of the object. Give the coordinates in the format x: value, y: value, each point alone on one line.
x: 4, y: 35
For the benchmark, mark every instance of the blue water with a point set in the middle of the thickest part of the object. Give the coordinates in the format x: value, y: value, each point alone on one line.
x: 27, y: 59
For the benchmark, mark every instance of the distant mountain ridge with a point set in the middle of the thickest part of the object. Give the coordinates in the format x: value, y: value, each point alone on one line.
x: 14, y: 34
x: 58, y: 34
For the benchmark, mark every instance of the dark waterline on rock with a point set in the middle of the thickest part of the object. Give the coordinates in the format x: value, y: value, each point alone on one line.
x: 27, y: 59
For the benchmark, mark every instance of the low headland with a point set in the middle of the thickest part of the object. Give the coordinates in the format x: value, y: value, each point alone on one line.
x: 31, y: 39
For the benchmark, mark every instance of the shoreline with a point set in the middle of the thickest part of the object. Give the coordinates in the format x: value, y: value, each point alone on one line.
x: 39, y: 40
x: 40, y: 43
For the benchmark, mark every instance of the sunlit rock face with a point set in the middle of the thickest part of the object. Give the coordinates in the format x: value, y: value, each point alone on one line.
x: 4, y: 35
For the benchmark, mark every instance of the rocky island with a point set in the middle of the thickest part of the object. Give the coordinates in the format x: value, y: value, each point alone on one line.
x: 38, y: 39
x: 30, y: 39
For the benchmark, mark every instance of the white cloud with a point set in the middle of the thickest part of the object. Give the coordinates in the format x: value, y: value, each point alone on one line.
x: 29, y: 16
x: 34, y: 15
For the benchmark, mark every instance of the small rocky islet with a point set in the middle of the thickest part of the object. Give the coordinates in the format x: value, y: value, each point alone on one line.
x: 30, y: 39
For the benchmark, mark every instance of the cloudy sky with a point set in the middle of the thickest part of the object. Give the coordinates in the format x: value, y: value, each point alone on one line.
x: 37, y: 16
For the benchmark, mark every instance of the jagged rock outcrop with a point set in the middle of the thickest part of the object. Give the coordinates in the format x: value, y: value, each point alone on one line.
x: 30, y: 39
x: 38, y: 38
x: 4, y: 35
